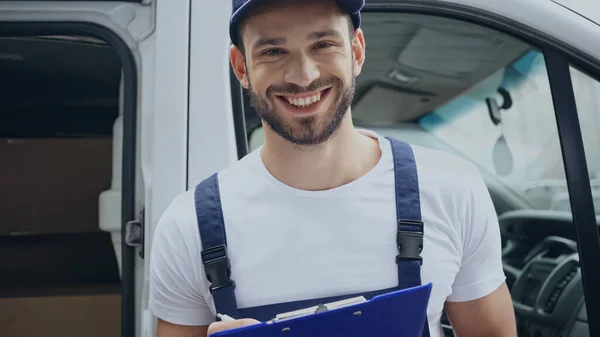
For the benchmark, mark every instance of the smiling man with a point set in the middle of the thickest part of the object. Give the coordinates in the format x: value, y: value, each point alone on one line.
x: 319, y: 211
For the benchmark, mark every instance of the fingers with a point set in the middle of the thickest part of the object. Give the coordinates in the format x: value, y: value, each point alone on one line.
x: 228, y: 325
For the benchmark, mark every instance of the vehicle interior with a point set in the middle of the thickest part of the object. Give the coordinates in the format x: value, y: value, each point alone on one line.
x: 483, y: 96
x: 60, y: 211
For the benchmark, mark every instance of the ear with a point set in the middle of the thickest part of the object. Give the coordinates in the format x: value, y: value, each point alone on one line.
x: 239, y: 66
x: 358, y: 50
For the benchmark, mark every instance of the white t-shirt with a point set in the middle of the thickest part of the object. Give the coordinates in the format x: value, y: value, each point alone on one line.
x: 287, y: 244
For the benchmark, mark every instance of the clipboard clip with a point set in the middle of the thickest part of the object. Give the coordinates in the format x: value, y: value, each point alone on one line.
x: 318, y: 308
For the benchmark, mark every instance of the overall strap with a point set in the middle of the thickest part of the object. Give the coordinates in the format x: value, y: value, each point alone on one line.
x: 214, y: 244
x: 409, y: 236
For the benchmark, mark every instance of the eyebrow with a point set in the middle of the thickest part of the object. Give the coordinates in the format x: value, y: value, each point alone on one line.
x: 322, y: 34
x: 269, y: 42
x: 280, y: 40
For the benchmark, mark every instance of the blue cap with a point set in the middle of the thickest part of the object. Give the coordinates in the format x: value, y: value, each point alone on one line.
x: 242, y: 7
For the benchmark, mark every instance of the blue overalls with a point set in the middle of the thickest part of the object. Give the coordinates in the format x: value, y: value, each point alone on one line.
x: 217, y: 265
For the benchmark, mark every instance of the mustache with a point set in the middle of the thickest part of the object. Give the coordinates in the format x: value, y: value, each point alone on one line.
x: 294, y: 89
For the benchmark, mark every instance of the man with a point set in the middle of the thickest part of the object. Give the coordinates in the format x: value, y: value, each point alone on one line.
x: 312, y: 213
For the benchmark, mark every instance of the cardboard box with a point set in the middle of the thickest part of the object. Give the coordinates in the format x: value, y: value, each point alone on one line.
x: 61, y: 316
x: 52, y: 185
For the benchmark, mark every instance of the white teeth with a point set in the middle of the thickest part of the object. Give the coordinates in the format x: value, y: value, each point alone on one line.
x: 304, y: 102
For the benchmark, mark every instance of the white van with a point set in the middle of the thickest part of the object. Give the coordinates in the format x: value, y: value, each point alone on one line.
x: 109, y: 109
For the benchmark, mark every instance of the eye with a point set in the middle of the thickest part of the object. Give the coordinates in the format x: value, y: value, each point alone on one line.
x: 322, y: 44
x: 272, y: 52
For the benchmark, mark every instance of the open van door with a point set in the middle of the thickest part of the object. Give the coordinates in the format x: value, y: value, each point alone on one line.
x: 78, y: 111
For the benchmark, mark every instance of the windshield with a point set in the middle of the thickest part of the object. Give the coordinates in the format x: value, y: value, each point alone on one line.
x: 514, y: 136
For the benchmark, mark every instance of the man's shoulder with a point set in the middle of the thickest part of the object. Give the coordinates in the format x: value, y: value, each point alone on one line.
x: 440, y: 164
x: 179, y: 218
x: 237, y: 175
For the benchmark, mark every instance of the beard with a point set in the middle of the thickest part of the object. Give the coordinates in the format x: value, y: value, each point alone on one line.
x: 310, y: 130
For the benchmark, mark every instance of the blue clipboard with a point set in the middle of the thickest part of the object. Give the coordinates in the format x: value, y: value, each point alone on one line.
x: 400, y: 313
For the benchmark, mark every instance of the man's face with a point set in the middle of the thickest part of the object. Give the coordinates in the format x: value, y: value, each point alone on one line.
x: 300, y: 64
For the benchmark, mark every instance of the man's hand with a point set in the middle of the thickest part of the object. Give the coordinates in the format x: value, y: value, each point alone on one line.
x: 228, y: 325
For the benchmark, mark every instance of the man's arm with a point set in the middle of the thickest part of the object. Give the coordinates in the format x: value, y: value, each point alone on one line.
x: 480, y: 303
x: 177, y: 287
x: 166, y: 329
x: 490, y: 316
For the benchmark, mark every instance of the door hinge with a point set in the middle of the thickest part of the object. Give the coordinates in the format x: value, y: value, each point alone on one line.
x: 134, y: 234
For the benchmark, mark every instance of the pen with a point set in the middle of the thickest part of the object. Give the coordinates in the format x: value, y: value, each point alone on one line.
x: 225, y: 318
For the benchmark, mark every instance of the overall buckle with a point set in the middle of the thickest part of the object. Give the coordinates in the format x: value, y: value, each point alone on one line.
x: 410, y: 242
x: 218, y: 270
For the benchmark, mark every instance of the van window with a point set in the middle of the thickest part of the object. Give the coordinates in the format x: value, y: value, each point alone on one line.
x: 506, y: 125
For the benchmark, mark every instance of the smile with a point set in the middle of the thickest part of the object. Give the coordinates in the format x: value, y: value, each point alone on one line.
x: 305, y: 100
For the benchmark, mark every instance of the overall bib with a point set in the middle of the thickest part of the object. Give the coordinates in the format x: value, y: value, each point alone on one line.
x: 409, y: 239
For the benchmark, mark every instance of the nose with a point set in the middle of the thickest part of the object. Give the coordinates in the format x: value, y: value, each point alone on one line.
x: 302, y: 71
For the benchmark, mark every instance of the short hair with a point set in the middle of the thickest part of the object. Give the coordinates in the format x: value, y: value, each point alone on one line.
x: 240, y: 27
